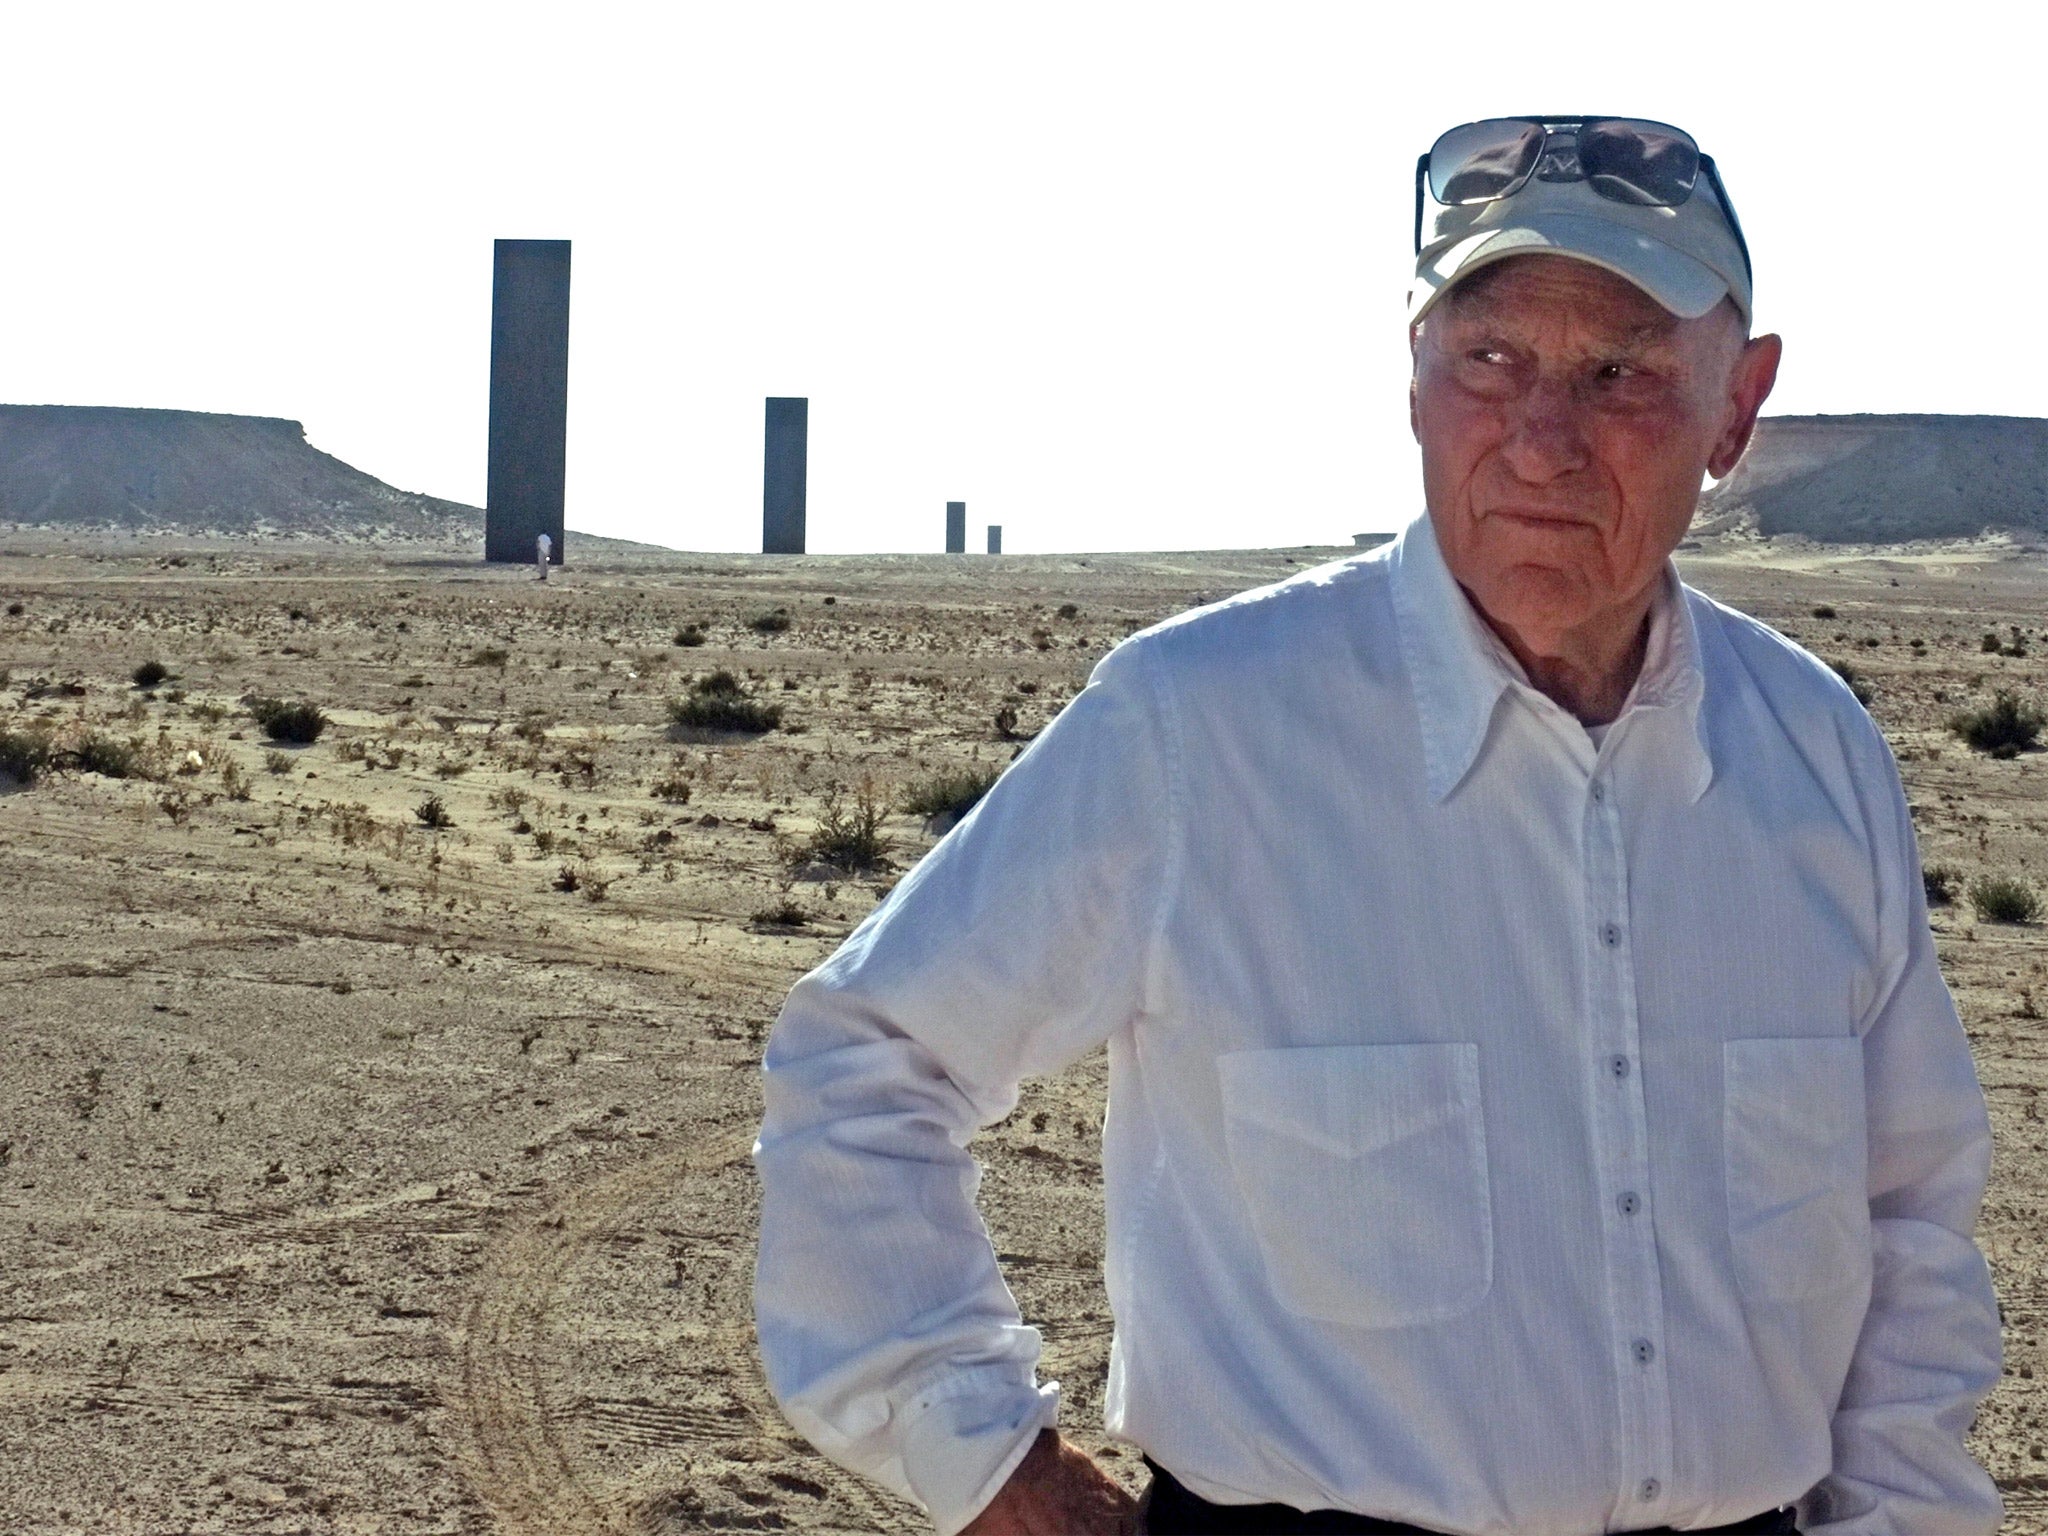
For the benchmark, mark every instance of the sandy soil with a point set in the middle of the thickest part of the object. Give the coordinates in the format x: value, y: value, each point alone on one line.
x: 356, y: 1177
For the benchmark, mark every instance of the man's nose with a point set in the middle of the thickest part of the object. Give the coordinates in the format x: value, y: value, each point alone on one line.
x: 1546, y: 436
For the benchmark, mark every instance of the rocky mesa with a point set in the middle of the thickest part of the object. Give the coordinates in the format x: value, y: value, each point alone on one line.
x: 197, y: 473
x: 1887, y: 479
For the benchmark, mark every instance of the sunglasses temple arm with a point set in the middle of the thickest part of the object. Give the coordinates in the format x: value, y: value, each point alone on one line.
x: 1421, y: 172
x: 1728, y: 209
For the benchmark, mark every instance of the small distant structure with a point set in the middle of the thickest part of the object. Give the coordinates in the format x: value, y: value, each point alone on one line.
x: 784, y: 464
x: 542, y: 547
x: 995, y: 538
x: 1365, y: 540
x: 956, y: 527
x: 529, y: 432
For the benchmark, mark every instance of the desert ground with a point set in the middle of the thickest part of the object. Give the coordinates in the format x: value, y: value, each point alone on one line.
x: 374, y: 1113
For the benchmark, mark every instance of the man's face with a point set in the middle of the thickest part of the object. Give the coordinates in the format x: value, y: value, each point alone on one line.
x: 1566, y: 420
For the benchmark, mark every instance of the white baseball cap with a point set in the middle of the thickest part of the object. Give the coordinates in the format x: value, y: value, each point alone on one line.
x: 1687, y: 257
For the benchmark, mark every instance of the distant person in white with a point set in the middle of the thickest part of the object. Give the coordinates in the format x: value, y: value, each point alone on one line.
x: 542, y: 548
x: 1534, y: 1104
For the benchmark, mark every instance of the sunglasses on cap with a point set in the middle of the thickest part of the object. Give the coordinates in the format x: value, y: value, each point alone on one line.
x: 1624, y: 159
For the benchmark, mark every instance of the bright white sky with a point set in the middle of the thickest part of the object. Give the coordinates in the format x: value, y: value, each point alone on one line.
x: 1118, y: 275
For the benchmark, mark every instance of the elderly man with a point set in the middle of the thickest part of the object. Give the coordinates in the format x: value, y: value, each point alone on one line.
x: 1534, y: 1104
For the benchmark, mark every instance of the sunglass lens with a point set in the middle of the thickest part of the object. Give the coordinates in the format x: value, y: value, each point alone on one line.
x: 1632, y: 161
x: 1482, y: 161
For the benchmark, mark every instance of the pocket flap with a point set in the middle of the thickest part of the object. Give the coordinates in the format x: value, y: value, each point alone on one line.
x: 1363, y: 1169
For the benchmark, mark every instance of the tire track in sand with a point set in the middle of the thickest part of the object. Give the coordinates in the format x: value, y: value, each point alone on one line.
x: 509, y: 1403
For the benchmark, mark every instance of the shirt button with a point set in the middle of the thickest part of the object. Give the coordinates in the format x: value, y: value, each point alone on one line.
x: 1629, y: 1202
x: 1599, y: 794
x: 1610, y: 935
x: 1644, y: 1351
x: 1649, y: 1490
x: 1618, y: 1065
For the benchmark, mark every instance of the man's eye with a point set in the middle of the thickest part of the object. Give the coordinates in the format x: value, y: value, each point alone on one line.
x: 1613, y: 373
x: 1492, y: 355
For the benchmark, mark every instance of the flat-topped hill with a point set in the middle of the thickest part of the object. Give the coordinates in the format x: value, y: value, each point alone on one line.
x: 1888, y: 479
x: 194, y: 472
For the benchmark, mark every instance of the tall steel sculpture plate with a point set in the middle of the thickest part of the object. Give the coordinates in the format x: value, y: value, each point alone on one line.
x: 529, y: 399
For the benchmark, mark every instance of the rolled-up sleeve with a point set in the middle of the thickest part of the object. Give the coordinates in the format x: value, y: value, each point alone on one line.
x: 1023, y: 940
x: 1929, y: 1348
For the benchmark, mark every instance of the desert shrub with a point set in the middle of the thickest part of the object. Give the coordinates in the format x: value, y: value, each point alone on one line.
x: 290, y: 720
x: 719, y: 703
x: 690, y: 635
x: 1859, y: 685
x: 24, y: 755
x: 949, y: 793
x: 432, y: 812
x: 567, y: 880
x: 723, y: 681
x: 275, y: 761
x: 1069, y: 610
x: 848, y: 837
x: 1006, y: 722
x: 2004, y: 899
x: 2005, y: 728
x: 1823, y: 611
x: 674, y: 785
x: 150, y: 673
x: 780, y: 914
x: 1991, y: 644
x: 769, y: 623
x: 1941, y: 883
x: 16, y: 610
x: 107, y: 756
x: 234, y: 782
x: 489, y: 656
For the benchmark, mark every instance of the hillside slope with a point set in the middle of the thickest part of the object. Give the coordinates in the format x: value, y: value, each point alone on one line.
x: 1885, y: 479
x: 71, y: 466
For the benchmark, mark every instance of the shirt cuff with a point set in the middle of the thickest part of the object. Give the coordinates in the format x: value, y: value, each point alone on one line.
x: 963, y: 1437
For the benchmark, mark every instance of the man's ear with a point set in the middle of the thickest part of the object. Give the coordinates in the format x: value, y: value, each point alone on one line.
x: 1756, y: 370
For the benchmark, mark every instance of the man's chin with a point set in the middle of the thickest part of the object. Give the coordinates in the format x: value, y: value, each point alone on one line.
x: 1535, y: 598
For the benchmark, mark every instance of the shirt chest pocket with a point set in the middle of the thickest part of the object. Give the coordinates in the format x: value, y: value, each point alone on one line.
x: 1363, y: 1170
x: 1795, y: 1149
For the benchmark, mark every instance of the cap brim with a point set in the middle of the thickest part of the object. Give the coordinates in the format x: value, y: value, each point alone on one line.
x: 1686, y: 287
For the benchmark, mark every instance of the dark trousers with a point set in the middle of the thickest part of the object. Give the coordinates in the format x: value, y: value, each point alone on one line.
x: 1170, y: 1508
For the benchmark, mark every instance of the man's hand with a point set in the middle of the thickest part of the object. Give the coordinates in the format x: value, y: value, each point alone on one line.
x: 1057, y: 1490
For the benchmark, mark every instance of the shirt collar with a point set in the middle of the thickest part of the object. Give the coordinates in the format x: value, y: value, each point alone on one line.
x: 1459, y: 668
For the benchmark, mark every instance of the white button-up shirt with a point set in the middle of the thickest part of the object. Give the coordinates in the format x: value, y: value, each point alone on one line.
x: 1506, y: 1133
